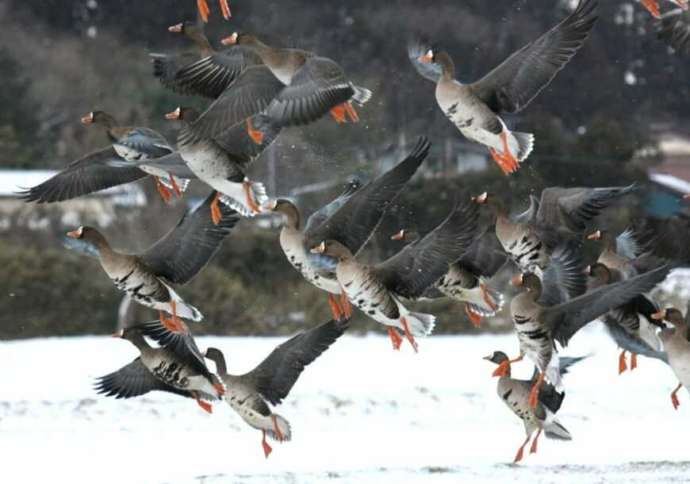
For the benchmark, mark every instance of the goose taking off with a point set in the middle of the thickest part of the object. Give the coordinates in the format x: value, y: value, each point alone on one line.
x: 175, y: 259
x: 270, y: 382
x: 475, y: 108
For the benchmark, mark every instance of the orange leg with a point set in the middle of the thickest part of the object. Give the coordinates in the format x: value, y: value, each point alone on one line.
x: 202, y: 6
x: 251, y: 203
x: 500, y: 161
x: 335, y: 307
x: 408, y: 335
x: 219, y: 388
x: 653, y: 7
x: 351, y: 113
x: 487, y: 297
x: 510, y: 159
x: 225, y: 8
x: 338, y: 113
x: 622, y: 365
x: 174, y: 324
x: 395, y: 337
x: 175, y: 186
x: 163, y: 190
x: 674, y: 396
x: 267, y: 448
x: 534, y: 392
x: 216, y: 214
x: 204, y: 405
x: 345, y: 305
x: 279, y: 434
x: 474, y: 318
x: 533, y: 449
x: 633, y: 361
x: 518, y: 456
x: 256, y: 135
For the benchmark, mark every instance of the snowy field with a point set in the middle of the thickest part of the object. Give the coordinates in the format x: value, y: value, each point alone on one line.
x: 361, y: 414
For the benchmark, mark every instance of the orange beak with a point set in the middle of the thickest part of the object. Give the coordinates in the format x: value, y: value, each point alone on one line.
x: 75, y: 234
x: 230, y: 40
x: 594, y: 235
x: 177, y: 28
x: 87, y: 120
x: 481, y: 198
x: 173, y: 115
x: 399, y: 235
x: 686, y: 196
x: 516, y: 280
x: 660, y: 315
x: 427, y: 58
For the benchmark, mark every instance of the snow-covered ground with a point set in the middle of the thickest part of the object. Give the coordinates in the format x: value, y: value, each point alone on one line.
x: 361, y: 414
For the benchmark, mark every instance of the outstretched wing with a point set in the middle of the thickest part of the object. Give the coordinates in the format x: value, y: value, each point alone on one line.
x: 188, y: 247
x: 564, y: 278
x: 207, y: 77
x: 419, y: 265
x: 568, y: 318
x: 354, y: 222
x: 322, y: 214
x: 276, y: 375
x: 318, y: 86
x: 512, y: 85
x: 133, y: 380
x: 89, y: 174
x: 573, y: 208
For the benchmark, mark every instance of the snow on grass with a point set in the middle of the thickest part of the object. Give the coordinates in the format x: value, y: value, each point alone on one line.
x: 361, y: 413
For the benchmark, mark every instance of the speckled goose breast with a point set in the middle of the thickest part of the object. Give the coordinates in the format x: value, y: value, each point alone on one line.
x: 472, y: 117
x: 131, y: 277
x: 292, y: 243
x: 535, y: 339
x: 516, y: 398
x: 366, y: 292
x: 175, y: 373
x: 522, y: 245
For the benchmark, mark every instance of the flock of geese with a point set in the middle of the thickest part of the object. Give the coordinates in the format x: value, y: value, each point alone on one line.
x: 256, y: 91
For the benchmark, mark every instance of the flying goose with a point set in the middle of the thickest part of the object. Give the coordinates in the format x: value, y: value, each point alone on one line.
x: 206, y: 72
x: 677, y: 345
x: 539, y: 325
x: 635, y: 316
x: 202, y: 6
x: 109, y: 167
x: 475, y: 108
x: 160, y: 369
x: 378, y: 290
x: 467, y: 279
x: 215, y: 146
x: 560, y: 216
x: 270, y: 382
x: 175, y: 259
x: 350, y: 219
x: 314, y: 86
x: 515, y: 394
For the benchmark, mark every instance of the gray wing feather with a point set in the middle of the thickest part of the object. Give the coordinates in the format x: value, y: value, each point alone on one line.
x: 186, y: 249
x: 564, y: 277
x: 322, y: 214
x: 512, y: 85
x: 277, y: 374
x: 133, y: 380
x: 354, y: 222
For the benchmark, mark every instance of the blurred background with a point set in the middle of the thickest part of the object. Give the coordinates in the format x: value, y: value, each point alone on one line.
x: 618, y: 113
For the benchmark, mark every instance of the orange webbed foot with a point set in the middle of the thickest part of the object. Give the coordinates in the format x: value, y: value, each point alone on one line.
x: 533, y: 448
x: 396, y: 340
x: 351, y: 113
x: 219, y: 388
x: 204, y: 405
x: 276, y: 429
x: 674, y: 397
x: 534, y: 392
x: 163, y: 190
x: 267, y: 448
x: 225, y: 8
x: 216, y: 214
x: 474, y: 318
x: 338, y: 113
x: 175, y: 186
x: 256, y: 135
x: 633, y: 361
x: 249, y: 195
x: 520, y: 452
x: 622, y: 364
x: 345, y: 304
x: 409, y: 335
x: 652, y: 7
x: 202, y: 6
x: 487, y: 297
x: 335, y: 307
